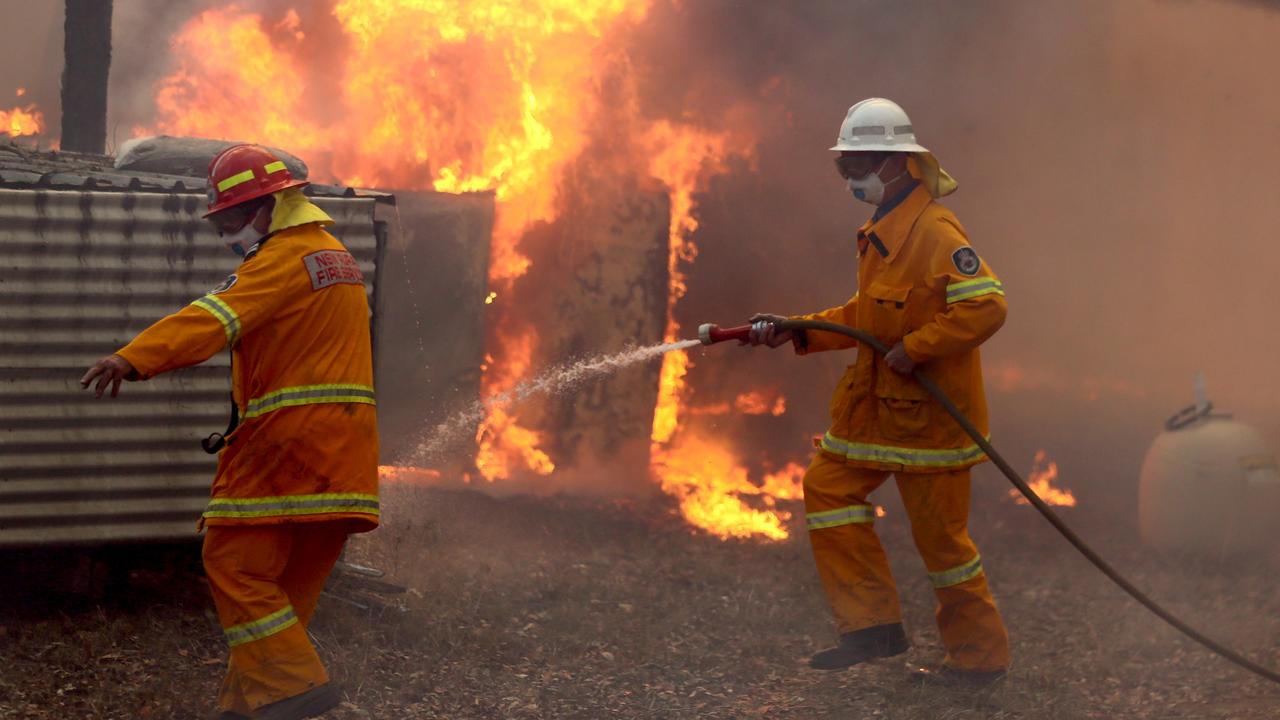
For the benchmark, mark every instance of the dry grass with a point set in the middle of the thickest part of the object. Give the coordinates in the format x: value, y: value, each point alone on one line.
x: 526, y: 608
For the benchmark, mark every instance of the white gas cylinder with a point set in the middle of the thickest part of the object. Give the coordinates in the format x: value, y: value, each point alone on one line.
x: 1209, y: 485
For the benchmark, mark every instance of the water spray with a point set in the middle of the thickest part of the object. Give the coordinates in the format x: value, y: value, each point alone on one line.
x: 710, y: 334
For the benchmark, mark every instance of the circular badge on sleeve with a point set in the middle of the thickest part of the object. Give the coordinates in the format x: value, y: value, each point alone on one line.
x: 966, y: 261
x: 225, y: 285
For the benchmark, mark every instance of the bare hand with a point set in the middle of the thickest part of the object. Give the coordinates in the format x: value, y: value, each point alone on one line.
x: 764, y: 331
x: 898, y: 360
x: 110, y: 370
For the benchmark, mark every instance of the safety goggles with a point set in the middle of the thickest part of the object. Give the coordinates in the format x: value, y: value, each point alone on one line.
x: 858, y: 165
x: 234, y: 218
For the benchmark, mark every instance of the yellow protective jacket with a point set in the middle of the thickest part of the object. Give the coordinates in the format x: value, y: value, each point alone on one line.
x: 296, y: 318
x: 920, y: 283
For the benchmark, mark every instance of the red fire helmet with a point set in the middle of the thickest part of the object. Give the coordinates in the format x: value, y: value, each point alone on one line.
x: 246, y: 172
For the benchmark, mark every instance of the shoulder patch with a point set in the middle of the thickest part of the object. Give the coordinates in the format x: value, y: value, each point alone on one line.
x: 225, y: 285
x: 966, y: 261
x: 332, y: 267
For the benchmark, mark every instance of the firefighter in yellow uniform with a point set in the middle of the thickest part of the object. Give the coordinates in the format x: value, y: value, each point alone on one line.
x: 925, y: 293
x: 299, y: 473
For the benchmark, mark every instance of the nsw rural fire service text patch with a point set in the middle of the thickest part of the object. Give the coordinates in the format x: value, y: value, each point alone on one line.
x: 332, y: 267
x: 966, y: 261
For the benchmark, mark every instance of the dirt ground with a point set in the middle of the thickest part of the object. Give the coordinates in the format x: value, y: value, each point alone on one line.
x: 563, y: 608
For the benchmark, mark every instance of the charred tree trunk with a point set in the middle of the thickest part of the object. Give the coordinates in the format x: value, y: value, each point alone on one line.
x: 87, y: 58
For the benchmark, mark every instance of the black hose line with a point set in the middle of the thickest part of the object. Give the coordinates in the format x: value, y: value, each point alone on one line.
x: 1037, y: 503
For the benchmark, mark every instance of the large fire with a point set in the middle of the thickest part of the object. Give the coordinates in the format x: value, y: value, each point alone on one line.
x: 469, y: 95
x: 25, y: 120
x: 1044, y: 473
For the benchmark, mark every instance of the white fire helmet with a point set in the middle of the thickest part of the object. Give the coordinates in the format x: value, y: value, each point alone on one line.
x: 876, y: 124
x: 880, y: 125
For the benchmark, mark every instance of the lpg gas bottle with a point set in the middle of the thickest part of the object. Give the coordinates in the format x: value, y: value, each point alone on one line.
x: 1209, y: 485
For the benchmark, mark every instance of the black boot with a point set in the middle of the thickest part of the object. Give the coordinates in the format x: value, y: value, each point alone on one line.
x: 862, y: 645
x: 312, y: 703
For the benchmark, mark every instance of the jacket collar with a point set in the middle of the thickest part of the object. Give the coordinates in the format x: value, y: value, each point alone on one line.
x: 888, y: 234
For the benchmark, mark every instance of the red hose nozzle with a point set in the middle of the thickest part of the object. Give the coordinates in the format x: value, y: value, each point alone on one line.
x: 710, y: 333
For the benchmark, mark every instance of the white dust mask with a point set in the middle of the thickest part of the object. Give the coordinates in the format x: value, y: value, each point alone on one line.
x: 870, y: 189
x: 241, y: 240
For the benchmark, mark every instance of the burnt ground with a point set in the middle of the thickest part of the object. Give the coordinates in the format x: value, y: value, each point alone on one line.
x: 563, y: 608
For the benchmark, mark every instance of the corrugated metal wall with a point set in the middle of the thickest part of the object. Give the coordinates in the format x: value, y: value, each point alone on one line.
x: 80, y: 274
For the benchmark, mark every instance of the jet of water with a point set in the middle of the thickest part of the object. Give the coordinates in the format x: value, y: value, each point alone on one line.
x: 447, y: 435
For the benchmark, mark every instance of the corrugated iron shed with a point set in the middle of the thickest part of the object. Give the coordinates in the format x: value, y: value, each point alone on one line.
x: 90, y: 256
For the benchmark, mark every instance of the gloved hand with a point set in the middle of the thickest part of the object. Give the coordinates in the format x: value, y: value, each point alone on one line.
x: 764, y: 331
x: 110, y: 370
x: 898, y: 360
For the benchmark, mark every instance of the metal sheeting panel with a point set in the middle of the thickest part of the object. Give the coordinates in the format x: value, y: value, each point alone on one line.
x: 80, y: 274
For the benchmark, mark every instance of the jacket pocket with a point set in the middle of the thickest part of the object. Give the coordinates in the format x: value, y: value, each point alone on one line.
x: 904, y: 408
x: 887, y: 308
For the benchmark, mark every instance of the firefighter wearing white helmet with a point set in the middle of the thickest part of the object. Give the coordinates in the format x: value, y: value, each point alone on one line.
x: 876, y: 125
x: 925, y: 293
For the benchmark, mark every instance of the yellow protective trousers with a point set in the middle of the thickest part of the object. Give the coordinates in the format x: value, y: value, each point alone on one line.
x: 855, y: 571
x: 266, y: 580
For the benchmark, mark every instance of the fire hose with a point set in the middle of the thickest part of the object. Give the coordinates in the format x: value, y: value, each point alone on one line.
x: 710, y: 334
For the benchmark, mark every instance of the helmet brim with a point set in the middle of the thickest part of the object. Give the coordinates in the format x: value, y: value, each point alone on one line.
x: 879, y: 147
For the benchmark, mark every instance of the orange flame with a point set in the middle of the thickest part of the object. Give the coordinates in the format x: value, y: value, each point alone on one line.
x: 1044, y: 472
x: 501, y: 441
x: 757, y: 402
x: 710, y: 485
x: 784, y: 484
x: 21, y: 121
x: 238, y: 81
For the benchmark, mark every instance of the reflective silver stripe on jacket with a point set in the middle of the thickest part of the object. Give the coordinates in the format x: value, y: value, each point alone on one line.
x: 223, y: 313
x: 907, y: 457
x: 309, y: 395
x: 973, y: 288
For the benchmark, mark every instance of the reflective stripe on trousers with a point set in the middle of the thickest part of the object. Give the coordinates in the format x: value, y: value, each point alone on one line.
x: 292, y: 505
x: 907, y: 457
x: 840, y: 516
x: 958, y: 574
x: 309, y: 395
x: 262, y: 627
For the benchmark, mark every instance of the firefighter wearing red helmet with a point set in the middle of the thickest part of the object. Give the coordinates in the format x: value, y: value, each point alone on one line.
x: 298, y: 472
